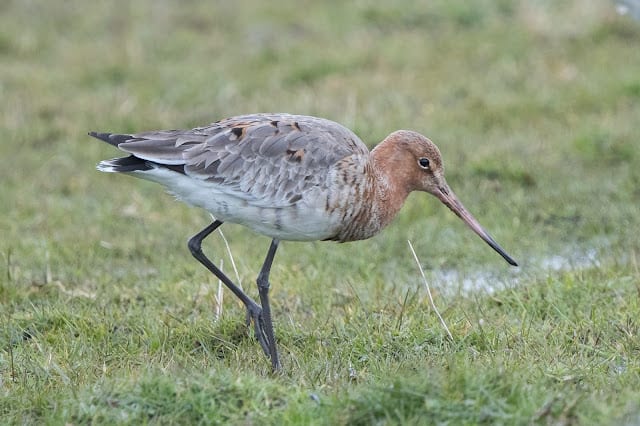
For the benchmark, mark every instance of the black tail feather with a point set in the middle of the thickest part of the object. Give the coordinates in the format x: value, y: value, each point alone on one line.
x: 111, y: 138
x: 131, y: 163
x: 134, y: 164
x: 125, y: 165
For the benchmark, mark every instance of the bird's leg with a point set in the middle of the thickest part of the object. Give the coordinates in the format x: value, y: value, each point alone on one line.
x: 254, y: 311
x: 263, y: 288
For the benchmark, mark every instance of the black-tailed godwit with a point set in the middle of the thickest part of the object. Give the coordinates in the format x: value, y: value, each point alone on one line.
x: 289, y: 177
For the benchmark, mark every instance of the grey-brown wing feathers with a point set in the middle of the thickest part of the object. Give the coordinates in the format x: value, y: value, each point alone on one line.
x: 164, y: 147
x: 269, y: 157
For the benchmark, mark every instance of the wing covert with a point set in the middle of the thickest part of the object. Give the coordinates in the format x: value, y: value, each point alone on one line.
x: 266, y: 159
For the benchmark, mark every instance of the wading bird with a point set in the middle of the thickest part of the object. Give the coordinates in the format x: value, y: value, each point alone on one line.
x: 289, y: 177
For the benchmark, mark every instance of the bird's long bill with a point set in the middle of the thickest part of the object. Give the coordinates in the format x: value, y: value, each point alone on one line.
x: 449, y: 199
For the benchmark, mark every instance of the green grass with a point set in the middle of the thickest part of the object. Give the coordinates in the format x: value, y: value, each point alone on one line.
x: 106, y: 318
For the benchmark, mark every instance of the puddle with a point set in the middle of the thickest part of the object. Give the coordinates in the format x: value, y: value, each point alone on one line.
x: 453, y: 281
x: 629, y: 7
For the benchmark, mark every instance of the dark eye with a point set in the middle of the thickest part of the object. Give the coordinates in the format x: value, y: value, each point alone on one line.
x: 424, y: 163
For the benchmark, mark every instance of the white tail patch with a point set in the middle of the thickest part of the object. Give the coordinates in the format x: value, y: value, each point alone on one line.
x: 107, y: 166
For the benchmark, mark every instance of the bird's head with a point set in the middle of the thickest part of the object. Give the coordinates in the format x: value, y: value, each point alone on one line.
x: 418, y: 163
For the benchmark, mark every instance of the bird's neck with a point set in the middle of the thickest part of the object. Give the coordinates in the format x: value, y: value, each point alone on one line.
x: 381, y: 196
x: 390, y: 187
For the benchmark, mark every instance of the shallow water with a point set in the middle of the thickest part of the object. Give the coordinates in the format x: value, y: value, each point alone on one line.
x: 452, y: 281
x: 629, y: 7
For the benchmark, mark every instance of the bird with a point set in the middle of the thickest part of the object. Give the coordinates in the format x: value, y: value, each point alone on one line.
x: 288, y: 177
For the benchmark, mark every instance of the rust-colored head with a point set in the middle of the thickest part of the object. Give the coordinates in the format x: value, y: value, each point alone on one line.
x: 416, y: 161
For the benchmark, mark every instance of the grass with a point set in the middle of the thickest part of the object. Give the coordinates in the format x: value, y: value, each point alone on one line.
x: 106, y: 318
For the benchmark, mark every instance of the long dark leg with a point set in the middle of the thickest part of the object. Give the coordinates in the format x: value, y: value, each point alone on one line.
x: 263, y: 288
x: 254, y: 311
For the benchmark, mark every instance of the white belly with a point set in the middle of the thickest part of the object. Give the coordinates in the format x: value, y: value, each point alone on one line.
x: 304, y: 221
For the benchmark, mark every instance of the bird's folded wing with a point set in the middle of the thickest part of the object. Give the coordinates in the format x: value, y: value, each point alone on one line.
x: 266, y: 159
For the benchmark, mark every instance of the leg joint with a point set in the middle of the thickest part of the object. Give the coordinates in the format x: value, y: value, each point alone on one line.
x: 195, y: 244
x: 263, y: 281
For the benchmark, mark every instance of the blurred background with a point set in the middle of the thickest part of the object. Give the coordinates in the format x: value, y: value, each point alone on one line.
x: 534, y: 106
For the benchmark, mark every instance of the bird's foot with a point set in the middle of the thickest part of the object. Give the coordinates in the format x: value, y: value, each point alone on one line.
x: 254, y: 314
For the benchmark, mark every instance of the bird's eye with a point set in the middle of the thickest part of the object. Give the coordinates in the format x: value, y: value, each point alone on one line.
x: 424, y: 163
